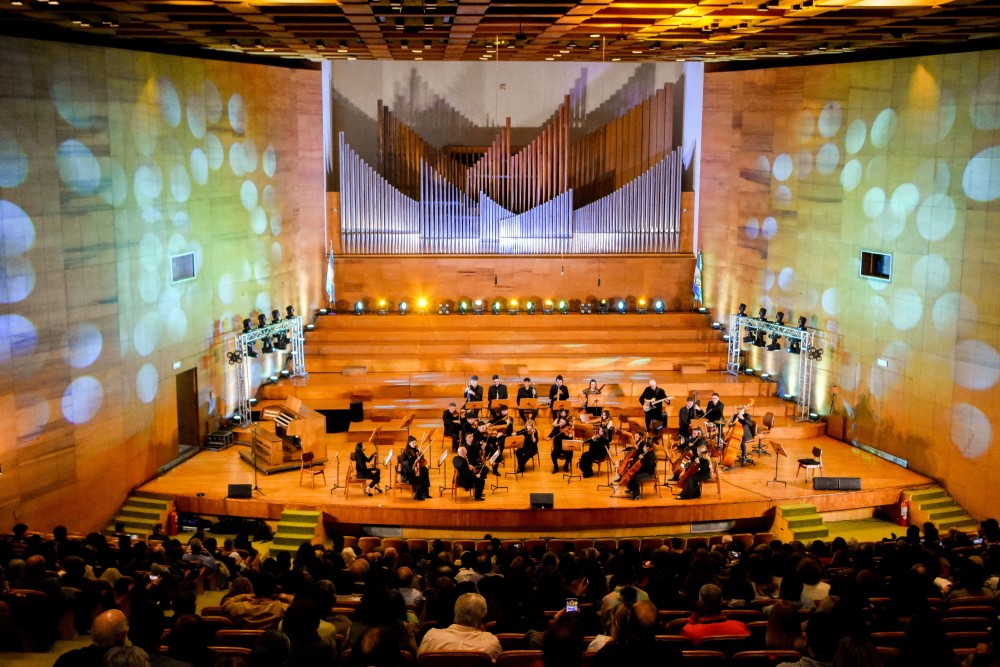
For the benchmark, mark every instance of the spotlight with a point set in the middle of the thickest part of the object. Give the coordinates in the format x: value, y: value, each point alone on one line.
x: 285, y: 373
x: 743, y: 310
x: 272, y: 378
x: 749, y: 338
x: 275, y: 316
x: 512, y: 307
x: 496, y: 307
x: 324, y: 311
x: 237, y: 417
x: 641, y: 306
x: 444, y: 308
x: 547, y: 307
x: 359, y: 307
x: 422, y: 306
x: 563, y: 307
x: 383, y: 307
x: 758, y: 340
x: 463, y: 307
x: 261, y: 320
x: 247, y: 325
x: 658, y: 306
x: 748, y: 371
x: 310, y: 327
x: 265, y: 345
x: 289, y: 312
x: 725, y: 337
x: 251, y: 353
x: 586, y: 307
x: 779, y: 318
x: 621, y: 306
x: 765, y: 376
x: 794, y: 347
x: 802, y: 324
x: 530, y: 308
x: 282, y: 342
x: 717, y: 325
x: 603, y: 307
x: 403, y: 307
x: 774, y: 346
x: 762, y: 314
x: 477, y: 307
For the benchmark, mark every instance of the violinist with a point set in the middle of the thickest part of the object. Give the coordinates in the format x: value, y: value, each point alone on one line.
x: 499, y: 429
x: 474, y: 392
x: 413, y: 470
x: 452, y: 425
x: 470, y: 425
x: 699, y: 470
x: 530, y: 446
x: 496, y: 394
x: 691, y: 411
x: 558, y: 391
x: 468, y: 474
x: 362, y: 471
x: 591, y: 390
x: 527, y: 390
x: 562, y: 429
x: 749, y: 431
x: 645, y: 460
x: 597, y: 446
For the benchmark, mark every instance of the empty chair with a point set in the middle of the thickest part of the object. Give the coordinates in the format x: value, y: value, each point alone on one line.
x: 520, y: 658
x: 767, y: 658
x: 815, y: 463
x: 306, y: 468
x: 703, y: 658
x: 454, y: 659
x: 236, y: 637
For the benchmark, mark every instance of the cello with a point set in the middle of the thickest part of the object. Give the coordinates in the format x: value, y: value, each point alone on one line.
x: 731, y: 444
x: 631, y: 463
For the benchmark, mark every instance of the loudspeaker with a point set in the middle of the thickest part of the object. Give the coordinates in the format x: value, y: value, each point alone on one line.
x: 357, y: 411
x: 541, y: 501
x: 837, y: 483
x: 240, y: 491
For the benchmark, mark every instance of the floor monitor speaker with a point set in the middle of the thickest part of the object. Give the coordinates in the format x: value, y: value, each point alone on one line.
x: 240, y: 491
x: 837, y: 483
x: 541, y: 501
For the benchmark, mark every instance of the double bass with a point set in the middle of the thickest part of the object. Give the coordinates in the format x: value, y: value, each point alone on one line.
x: 730, y: 443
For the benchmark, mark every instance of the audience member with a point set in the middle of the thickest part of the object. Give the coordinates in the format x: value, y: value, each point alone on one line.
x: 109, y: 630
x: 708, y: 619
x: 466, y: 633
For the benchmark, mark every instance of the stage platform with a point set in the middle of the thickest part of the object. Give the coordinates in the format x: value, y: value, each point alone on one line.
x: 200, y: 485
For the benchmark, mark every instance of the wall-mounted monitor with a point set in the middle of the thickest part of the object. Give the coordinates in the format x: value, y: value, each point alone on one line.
x: 182, y: 267
x: 876, y: 265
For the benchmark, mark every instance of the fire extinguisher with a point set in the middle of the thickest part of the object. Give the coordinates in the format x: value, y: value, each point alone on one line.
x: 904, y: 512
x: 172, y: 523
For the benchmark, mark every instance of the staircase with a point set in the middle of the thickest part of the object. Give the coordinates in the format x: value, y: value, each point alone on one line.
x: 296, y: 527
x: 800, y: 522
x: 140, y: 513
x: 935, y: 505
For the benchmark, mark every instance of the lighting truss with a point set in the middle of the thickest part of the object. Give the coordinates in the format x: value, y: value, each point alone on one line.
x: 806, y: 339
x: 292, y: 328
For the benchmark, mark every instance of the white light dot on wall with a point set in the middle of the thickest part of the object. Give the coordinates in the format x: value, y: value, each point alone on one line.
x: 169, y: 300
x: 237, y: 113
x: 981, y: 178
x: 148, y: 284
x: 830, y: 297
x: 170, y: 102
x: 971, y: 430
x: 148, y: 181
x: 827, y: 159
x: 146, y: 334
x: 180, y: 220
x: 227, y: 288
x: 765, y: 302
x: 151, y: 216
x: 250, y: 158
x: 769, y: 279
x: 267, y: 197
x: 806, y: 124
x: 873, y: 203
x: 177, y: 244
x: 18, y: 338
x: 258, y: 221
x: 82, y: 400
x: 180, y: 184
x: 17, y: 231
x: 854, y: 138
x: 72, y: 94
x: 84, y: 343
x: 946, y: 114
x: 114, y: 184
x: 270, y: 161
x: 763, y: 164
x: 276, y: 254
x: 147, y: 381
x: 78, y: 168
x: 197, y: 122
x: 977, y: 365
x: 177, y: 325
x: 244, y: 271
x: 213, y: 102
x: 907, y: 309
x: 276, y: 223
x: 930, y: 275
x: 199, y: 166
x: 942, y: 176
x: 19, y: 279
x: 32, y: 415
x: 248, y: 195
x: 214, y: 151
x: 783, y: 167
x: 803, y: 163
x: 850, y: 177
x: 883, y: 127
x: 150, y: 251
x: 782, y: 194
x: 984, y: 107
x: 13, y: 162
x: 237, y: 159
x: 953, y: 314
x: 263, y: 302
x: 936, y: 217
x: 904, y: 200
x: 830, y: 119
x: 768, y: 227
x: 786, y: 279
x: 262, y: 271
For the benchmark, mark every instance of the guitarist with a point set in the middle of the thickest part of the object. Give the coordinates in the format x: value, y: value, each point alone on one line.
x: 699, y: 470
x: 652, y: 400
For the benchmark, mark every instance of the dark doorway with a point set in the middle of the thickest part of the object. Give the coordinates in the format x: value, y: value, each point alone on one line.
x: 187, y: 409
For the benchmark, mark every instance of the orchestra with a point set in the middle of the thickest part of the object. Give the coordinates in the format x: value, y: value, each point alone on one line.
x: 652, y: 400
x: 497, y: 432
x: 562, y: 429
x: 558, y: 391
x: 470, y: 474
x: 452, y: 421
x: 362, y: 471
x: 591, y: 390
x: 474, y: 392
x: 690, y: 412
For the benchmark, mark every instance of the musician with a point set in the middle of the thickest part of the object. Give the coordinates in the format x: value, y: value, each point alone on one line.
x: 592, y: 390
x: 652, y: 399
x: 527, y: 390
x: 362, y: 471
x: 749, y: 431
x: 497, y: 392
x: 452, y: 425
x: 467, y: 476
x: 473, y: 393
x: 714, y: 413
x: 558, y: 391
x: 470, y: 425
x: 691, y: 411
x: 597, y: 446
x: 501, y: 427
x: 647, y: 467
x: 530, y: 447
x: 562, y: 429
x: 702, y: 473
x: 413, y: 470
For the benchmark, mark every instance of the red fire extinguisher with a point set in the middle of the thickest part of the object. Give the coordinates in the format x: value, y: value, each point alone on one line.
x: 904, y: 512
x: 172, y: 523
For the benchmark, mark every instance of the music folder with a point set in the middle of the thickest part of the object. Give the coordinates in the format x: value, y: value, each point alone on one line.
x: 387, y: 459
x: 444, y: 457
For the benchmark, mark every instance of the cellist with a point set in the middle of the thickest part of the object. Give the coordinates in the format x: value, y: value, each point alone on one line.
x: 643, y: 468
x: 699, y: 470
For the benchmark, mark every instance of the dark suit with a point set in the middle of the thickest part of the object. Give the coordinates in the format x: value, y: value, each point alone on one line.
x: 526, y: 393
x: 452, y: 427
x: 473, y: 394
x: 646, y: 471
x: 497, y: 392
x: 692, y: 487
x: 467, y: 477
x: 655, y: 413
x: 558, y: 393
x: 597, y: 450
x: 420, y: 479
x: 685, y: 417
x: 528, y: 450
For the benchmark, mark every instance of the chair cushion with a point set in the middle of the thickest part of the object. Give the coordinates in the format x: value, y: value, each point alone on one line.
x: 809, y: 462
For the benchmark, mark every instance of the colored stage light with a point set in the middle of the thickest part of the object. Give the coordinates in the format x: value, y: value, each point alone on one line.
x: 359, y: 307
x: 444, y: 308
x: 496, y: 307
x: 621, y: 306
x: 383, y: 307
x: 422, y: 306
x: 563, y: 307
x: 641, y: 306
x: 603, y: 306
x: 658, y: 306
x: 530, y: 307
x: 463, y: 307
x: 403, y: 307
x: 477, y: 307
x: 512, y: 307
x: 547, y: 307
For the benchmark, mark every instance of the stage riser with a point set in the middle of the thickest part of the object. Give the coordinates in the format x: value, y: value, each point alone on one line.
x: 402, y: 348
x: 540, y: 365
x: 522, y: 321
x: 473, y: 335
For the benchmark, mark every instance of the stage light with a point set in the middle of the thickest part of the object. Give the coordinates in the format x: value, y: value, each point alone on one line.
x: 621, y: 306
x: 403, y: 307
x: 444, y: 308
x: 253, y: 400
x: 275, y: 316
x: 802, y: 324
x: 585, y: 307
x: 547, y: 307
x: 640, y: 306
x: 603, y: 307
x: 261, y: 320
x: 512, y: 307
x: 359, y: 307
x: 748, y: 371
x: 237, y: 417
x: 383, y: 307
x: 758, y: 340
x: 717, y: 325
x: 496, y: 307
x: 779, y: 318
x: 463, y: 307
x: 281, y: 343
x: 774, y: 345
x: 743, y: 310
x: 794, y: 347
x: 247, y: 325
x: 725, y: 337
x: 659, y: 306
x: 749, y: 337
x: 272, y: 378
x: 324, y: 311
x: 265, y: 345
x: 250, y: 351
x: 563, y: 307
x: 765, y: 376
x: 289, y: 312
x: 421, y: 306
x: 529, y: 308
x: 310, y: 326
x: 285, y: 373
x: 477, y: 307
x: 702, y: 309
x: 762, y: 314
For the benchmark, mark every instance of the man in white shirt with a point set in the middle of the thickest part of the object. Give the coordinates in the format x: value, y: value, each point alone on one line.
x: 466, y: 633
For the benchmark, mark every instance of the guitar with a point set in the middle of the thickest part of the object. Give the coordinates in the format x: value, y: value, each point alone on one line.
x: 649, y: 403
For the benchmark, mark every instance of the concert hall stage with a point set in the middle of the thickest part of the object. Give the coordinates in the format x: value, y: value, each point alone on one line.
x: 200, y: 485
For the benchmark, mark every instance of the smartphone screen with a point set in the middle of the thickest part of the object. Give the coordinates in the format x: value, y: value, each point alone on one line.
x: 571, y: 604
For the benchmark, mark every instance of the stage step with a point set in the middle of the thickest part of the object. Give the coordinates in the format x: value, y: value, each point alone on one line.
x: 296, y: 527
x: 140, y: 514
x: 798, y: 521
x: 935, y: 505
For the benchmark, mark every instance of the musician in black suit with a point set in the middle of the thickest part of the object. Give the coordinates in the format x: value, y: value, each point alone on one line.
x: 497, y: 392
x: 467, y: 477
x: 562, y: 429
x: 413, y: 470
x: 749, y: 431
x: 452, y: 425
x: 501, y: 427
x: 527, y: 390
x: 474, y: 392
x: 703, y: 473
x: 558, y: 391
x: 597, y: 446
x: 530, y: 447
x: 647, y: 467
x: 650, y: 395
x: 688, y: 414
x: 470, y: 425
x: 714, y: 413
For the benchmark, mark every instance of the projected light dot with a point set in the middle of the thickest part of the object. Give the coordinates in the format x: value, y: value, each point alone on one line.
x: 971, y: 430
x: 248, y: 195
x: 877, y: 285
x: 177, y: 325
x: 267, y: 197
x: 883, y: 127
x: 74, y: 95
x: 830, y: 119
x: 904, y: 200
x: 765, y: 302
x: 83, y: 345
x: 804, y: 163
x: 245, y: 271
x: 854, y: 138
x: 786, y: 279
x: 227, y: 288
x: 18, y: 338
x: 953, y: 313
x: 763, y: 164
x: 82, y: 400
x: 769, y: 227
x: 147, y: 381
x: 830, y: 300
x: 942, y: 176
x: 19, y: 279
x: 782, y: 194
x: 180, y: 184
x: 263, y: 302
x: 32, y: 415
x: 936, y: 217
x: 262, y: 271
x: 258, y: 221
x: 146, y: 334
x: 806, y: 124
x: 827, y: 159
x: 276, y: 223
x: 199, y: 166
x: 768, y: 279
x: 237, y: 113
x: 250, y: 158
x: 907, y: 309
x: 148, y: 284
x: 13, y: 162
x: 114, y: 185
x: 176, y: 245
x: 981, y: 178
x: 984, y: 108
x: 783, y: 167
x: 874, y: 202
x: 150, y: 251
x: 931, y: 274
x: 17, y: 231
x: 237, y: 159
x: 181, y: 220
x: 213, y: 102
x: 942, y: 119
x: 151, y: 216
x: 148, y: 181
x: 276, y: 253
x: 170, y: 103
x: 168, y: 301
x: 197, y: 122
x: 78, y: 168
x: 270, y: 161
x: 214, y: 151
x: 850, y: 177
x: 977, y: 365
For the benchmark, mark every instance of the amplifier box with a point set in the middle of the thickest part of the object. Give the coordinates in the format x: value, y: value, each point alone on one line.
x: 542, y: 501
x: 219, y: 439
x: 240, y: 491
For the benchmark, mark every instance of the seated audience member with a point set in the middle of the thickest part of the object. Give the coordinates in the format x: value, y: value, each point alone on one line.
x: 857, y: 651
x: 562, y: 642
x: 411, y: 596
x: 466, y: 633
x: 822, y: 636
x: 784, y: 628
x: 924, y: 644
x: 109, y: 630
x: 383, y: 607
x: 378, y: 646
x: 708, y: 620
x: 260, y: 609
x: 189, y: 640
x: 634, y: 640
x: 814, y: 591
x: 126, y: 656
x: 301, y: 626
x: 272, y: 649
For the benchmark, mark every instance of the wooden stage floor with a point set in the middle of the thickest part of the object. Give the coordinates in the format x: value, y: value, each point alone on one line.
x: 201, y: 485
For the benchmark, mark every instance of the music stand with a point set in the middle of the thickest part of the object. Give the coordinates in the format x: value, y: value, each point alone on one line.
x: 475, y: 406
x: 528, y: 405
x: 595, y: 401
x: 779, y: 451
x: 560, y: 405
x: 443, y: 464
x: 572, y: 446
x: 512, y: 444
x: 336, y: 480
x: 388, y: 487
x: 499, y: 403
x: 253, y: 456
x: 489, y: 462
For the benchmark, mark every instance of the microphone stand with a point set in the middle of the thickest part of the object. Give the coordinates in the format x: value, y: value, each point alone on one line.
x: 253, y: 456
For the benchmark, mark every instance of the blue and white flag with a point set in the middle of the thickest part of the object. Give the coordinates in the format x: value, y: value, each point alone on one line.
x: 696, y: 288
x: 330, y: 290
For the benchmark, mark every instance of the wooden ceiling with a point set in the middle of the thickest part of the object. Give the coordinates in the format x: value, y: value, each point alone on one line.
x: 752, y: 32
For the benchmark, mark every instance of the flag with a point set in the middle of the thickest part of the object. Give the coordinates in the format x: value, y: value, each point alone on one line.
x: 696, y: 288
x: 329, y: 278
